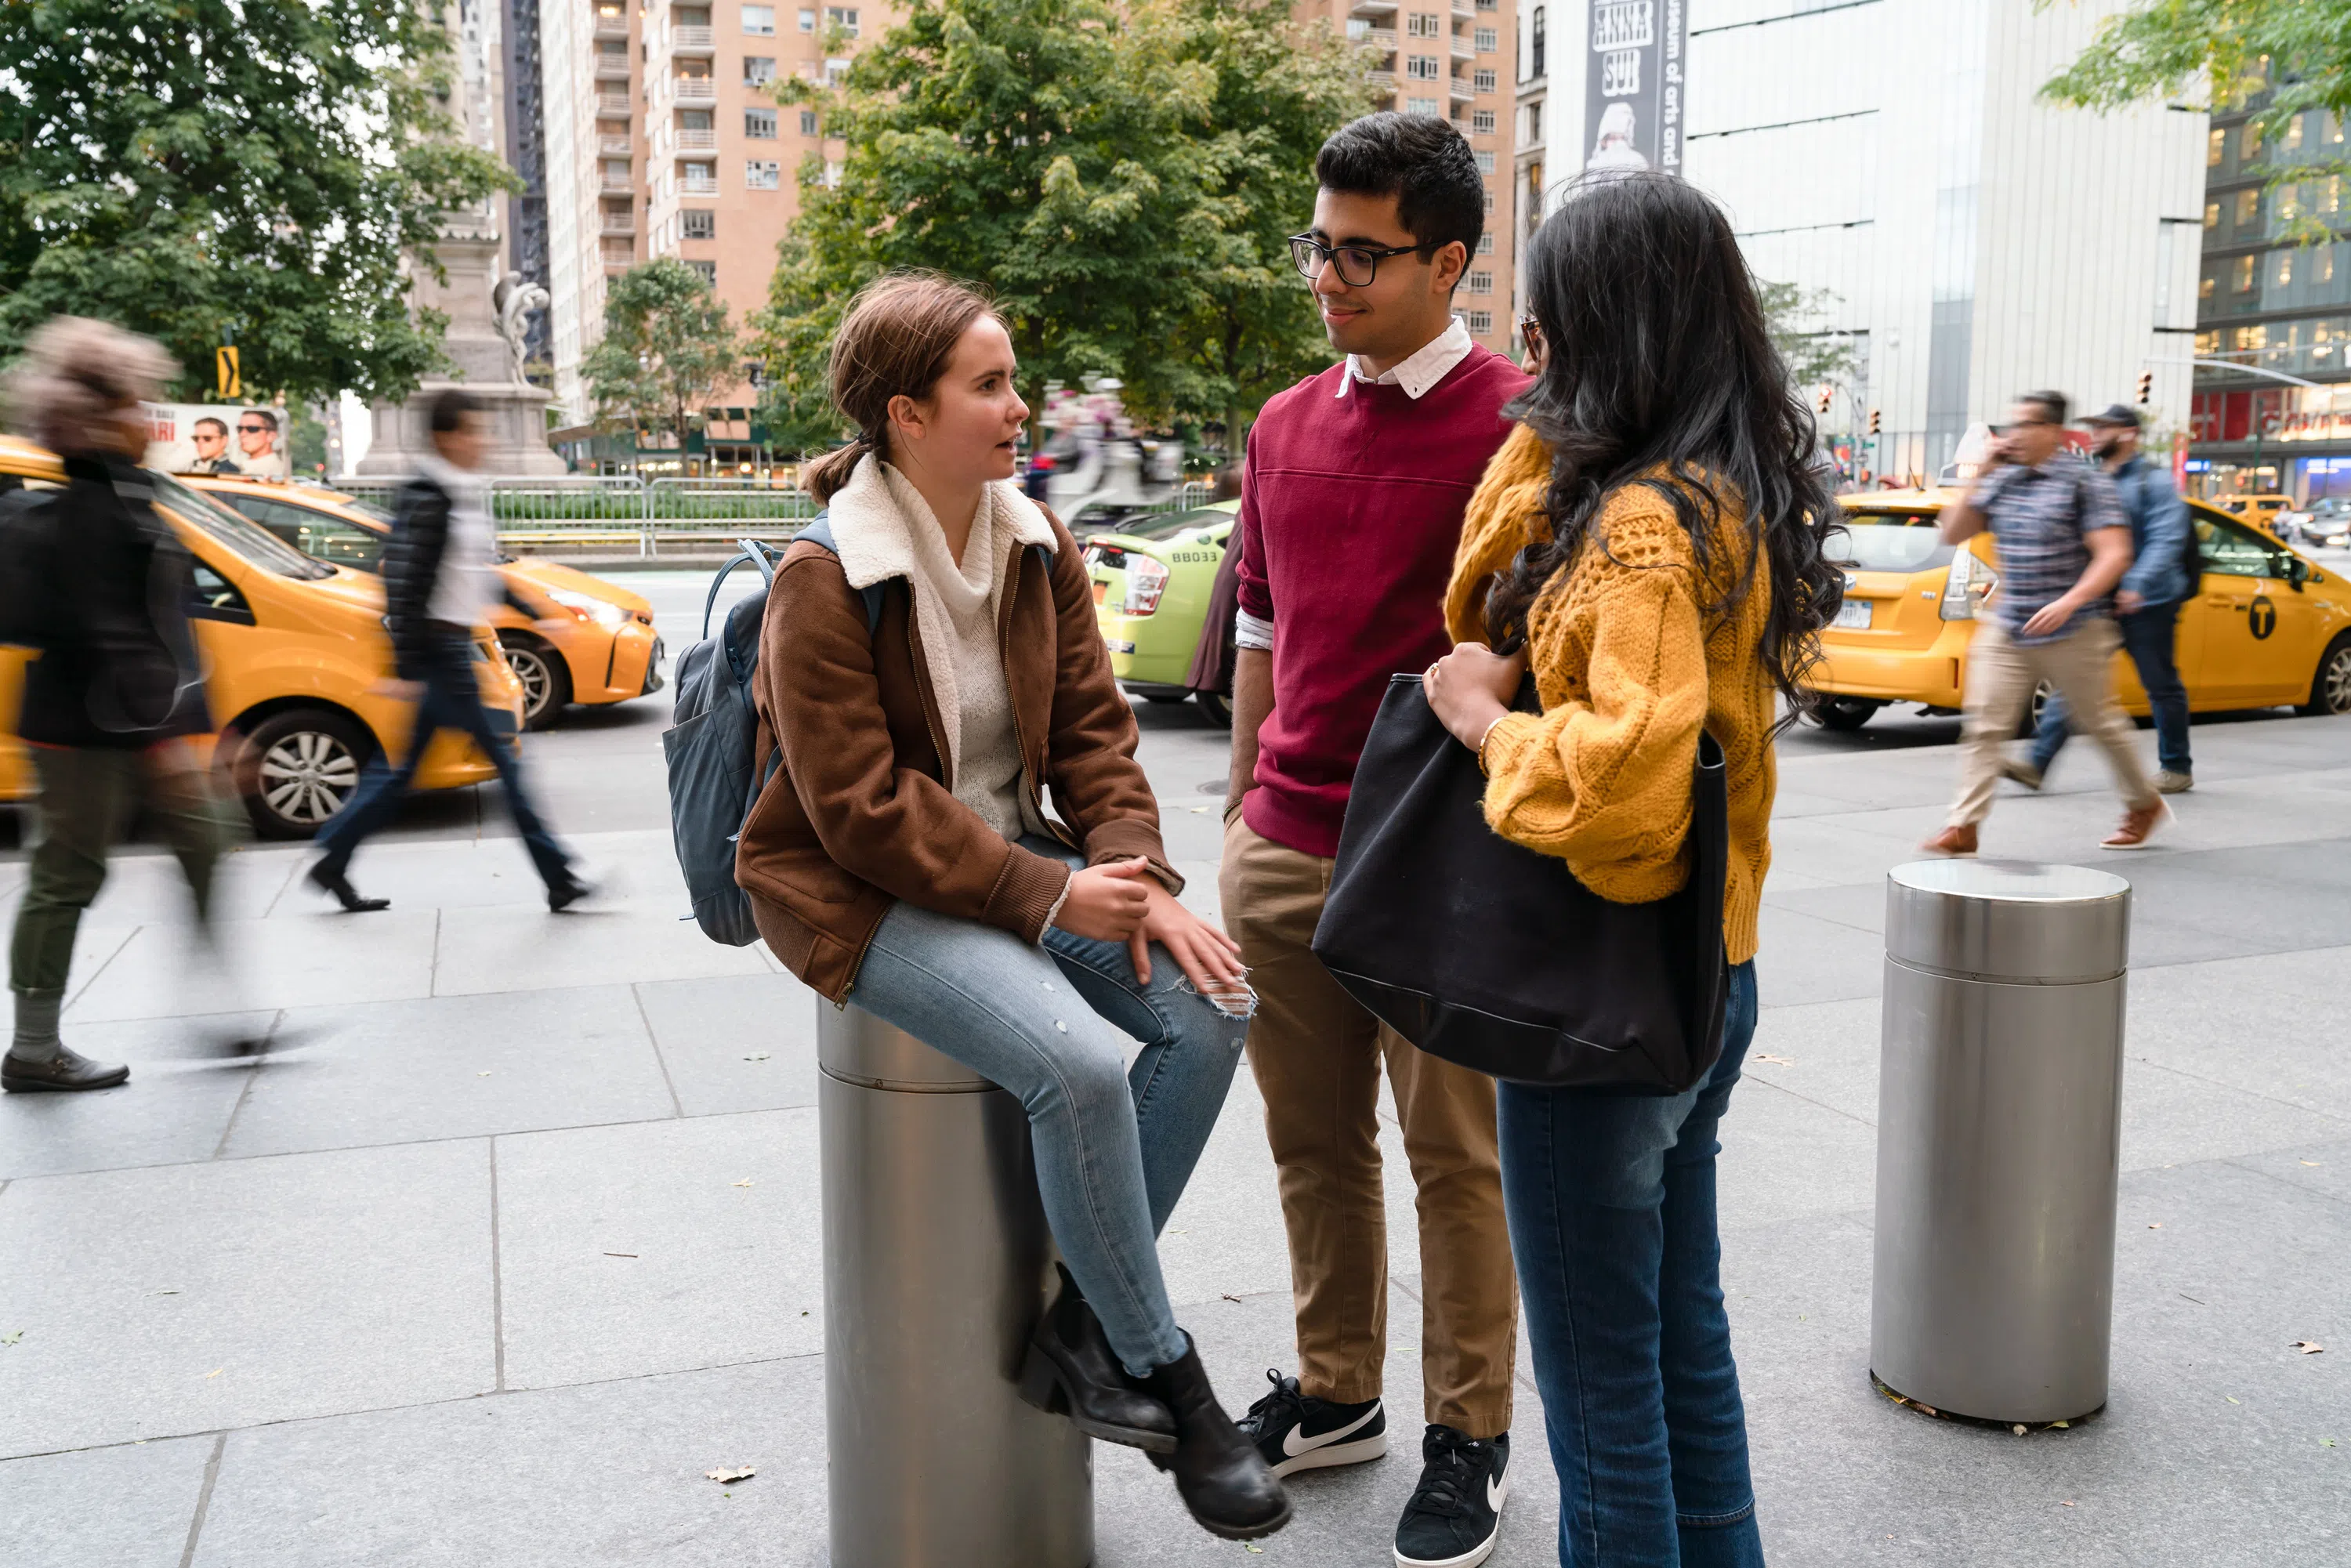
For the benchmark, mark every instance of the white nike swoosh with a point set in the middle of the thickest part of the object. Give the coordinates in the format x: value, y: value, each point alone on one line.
x: 1497, y: 1489
x: 1291, y: 1448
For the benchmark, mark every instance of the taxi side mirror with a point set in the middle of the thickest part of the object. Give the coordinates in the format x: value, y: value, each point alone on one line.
x: 2298, y: 571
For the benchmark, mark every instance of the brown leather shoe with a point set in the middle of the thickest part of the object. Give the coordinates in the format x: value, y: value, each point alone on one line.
x: 2138, y: 825
x: 66, y: 1072
x: 1956, y: 841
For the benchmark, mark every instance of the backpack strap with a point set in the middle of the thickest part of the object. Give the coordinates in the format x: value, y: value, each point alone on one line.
x: 820, y: 534
x: 759, y: 555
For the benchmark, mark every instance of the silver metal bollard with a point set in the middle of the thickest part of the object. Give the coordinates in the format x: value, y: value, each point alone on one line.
x: 1999, y: 1137
x: 936, y: 1258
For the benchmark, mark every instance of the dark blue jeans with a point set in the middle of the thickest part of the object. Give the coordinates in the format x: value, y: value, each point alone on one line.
x: 2148, y: 637
x: 1612, y: 1207
x: 451, y: 700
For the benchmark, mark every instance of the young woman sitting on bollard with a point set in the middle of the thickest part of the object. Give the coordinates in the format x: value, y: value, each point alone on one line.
x: 901, y: 856
x: 1650, y: 543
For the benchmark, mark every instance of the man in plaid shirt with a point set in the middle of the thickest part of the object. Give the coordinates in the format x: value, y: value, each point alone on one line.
x: 2063, y: 543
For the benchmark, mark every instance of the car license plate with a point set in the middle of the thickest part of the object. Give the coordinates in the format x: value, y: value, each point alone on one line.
x: 1102, y: 591
x: 1852, y: 615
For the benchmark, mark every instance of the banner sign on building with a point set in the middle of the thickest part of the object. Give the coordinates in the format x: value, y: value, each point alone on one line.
x: 1632, y: 85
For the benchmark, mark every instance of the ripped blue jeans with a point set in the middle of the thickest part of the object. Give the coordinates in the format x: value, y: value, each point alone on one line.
x: 1114, y: 1144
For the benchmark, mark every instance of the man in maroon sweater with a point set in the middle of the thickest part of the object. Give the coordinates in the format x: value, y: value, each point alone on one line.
x: 1350, y: 512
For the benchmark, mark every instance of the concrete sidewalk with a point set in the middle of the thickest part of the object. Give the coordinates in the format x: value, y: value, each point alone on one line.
x: 513, y: 1234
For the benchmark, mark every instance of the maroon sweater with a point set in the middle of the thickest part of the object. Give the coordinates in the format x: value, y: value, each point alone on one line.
x: 1350, y: 516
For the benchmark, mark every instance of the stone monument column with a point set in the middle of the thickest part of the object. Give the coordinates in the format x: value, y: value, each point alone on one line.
x: 488, y: 308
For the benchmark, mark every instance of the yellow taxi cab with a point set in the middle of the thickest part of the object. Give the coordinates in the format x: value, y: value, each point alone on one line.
x: 2264, y: 628
x: 2264, y: 509
x: 294, y: 651
x: 570, y: 637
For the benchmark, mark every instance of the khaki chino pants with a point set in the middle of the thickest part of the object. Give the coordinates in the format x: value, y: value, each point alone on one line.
x: 1317, y: 1055
x: 2001, y: 675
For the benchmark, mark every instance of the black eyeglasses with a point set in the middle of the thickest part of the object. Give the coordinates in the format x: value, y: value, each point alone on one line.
x: 1357, y: 264
x: 252, y: 429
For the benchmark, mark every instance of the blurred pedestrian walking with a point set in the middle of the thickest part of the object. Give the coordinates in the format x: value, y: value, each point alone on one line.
x: 1649, y: 542
x: 2064, y: 543
x: 1350, y: 509
x: 440, y: 581
x: 929, y: 663
x: 100, y: 585
x: 2164, y: 571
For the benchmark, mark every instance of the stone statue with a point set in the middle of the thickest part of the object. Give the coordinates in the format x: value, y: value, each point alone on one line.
x: 513, y: 300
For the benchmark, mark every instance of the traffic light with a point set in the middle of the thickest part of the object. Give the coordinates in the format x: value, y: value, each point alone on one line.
x: 2146, y: 388
x: 1825, y: 400
x: 1873, y: 422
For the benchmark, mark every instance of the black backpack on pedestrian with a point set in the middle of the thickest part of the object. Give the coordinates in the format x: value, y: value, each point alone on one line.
x: 28, y: 586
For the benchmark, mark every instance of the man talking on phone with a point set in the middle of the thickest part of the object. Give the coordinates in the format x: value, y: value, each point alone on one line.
x: 2064, y: 545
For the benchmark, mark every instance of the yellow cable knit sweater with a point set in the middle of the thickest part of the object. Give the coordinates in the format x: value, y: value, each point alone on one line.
x: 1628, y: 674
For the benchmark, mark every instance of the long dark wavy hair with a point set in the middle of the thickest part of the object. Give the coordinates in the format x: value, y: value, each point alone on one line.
x: 1659, y: 370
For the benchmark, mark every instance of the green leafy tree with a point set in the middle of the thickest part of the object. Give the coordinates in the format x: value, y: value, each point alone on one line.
x: 1120, y: 179
x: 1794, y: 315
x: 667, y: 349
x: 2285, y: 57
x: 206, y: 171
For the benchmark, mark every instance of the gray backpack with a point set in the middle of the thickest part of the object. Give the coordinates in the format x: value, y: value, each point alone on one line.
x: 711, y: 746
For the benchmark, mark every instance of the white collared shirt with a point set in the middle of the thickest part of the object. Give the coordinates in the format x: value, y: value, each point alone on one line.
x: 1420, y: 371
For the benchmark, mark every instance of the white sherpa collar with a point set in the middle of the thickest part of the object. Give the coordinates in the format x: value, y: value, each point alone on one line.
x: 869, y: 532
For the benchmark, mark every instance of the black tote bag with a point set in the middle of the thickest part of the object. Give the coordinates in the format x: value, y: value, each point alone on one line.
x: 1493, y: 956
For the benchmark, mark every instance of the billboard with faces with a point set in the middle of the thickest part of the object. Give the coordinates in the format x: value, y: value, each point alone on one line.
x: 1632, y: 85
x: 219, y: 438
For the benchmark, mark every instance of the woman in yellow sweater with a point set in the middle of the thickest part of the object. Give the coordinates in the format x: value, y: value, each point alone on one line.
x: 1649, y: 543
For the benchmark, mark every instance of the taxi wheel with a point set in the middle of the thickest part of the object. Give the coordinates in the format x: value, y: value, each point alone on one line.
x: 1845, y: 712
x: 546, y: 683
x: 2330, y: 689
x: 297, y: 768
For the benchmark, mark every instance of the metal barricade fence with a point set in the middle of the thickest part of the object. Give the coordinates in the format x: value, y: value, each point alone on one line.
x: 711, y: 512
x: 627, y: 513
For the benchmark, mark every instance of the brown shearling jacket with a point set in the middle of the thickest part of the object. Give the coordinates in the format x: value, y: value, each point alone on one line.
x: 861, y: 812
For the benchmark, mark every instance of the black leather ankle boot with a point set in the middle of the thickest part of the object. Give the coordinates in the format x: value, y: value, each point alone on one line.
x: 1219, y: 1474
x: 1071, y: 1371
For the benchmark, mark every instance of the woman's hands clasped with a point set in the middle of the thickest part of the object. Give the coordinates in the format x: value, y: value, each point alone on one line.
x: 1471, y: 687
x: 1121, y: 901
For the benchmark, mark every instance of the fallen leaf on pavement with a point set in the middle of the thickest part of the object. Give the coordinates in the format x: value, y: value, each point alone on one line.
x: 745, y: 1182
x: 1775, y: 1061
x: 2018, y: 1430
x: 12, y: 1338
x: 2067, y: 1504
x: 216, y: 1371
x: 2232, y: 1399
x: 2325, y: 1442
x: 2060, y: 1426
x: 2308, y: 1346
x: 2157, y: 1225
x: 1230, y: 1297
x: 729, y: 1477
x: 483, y: 1074
x: 2309, y: 1162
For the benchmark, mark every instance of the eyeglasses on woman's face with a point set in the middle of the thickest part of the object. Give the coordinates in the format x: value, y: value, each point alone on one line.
x: 1358, y: 265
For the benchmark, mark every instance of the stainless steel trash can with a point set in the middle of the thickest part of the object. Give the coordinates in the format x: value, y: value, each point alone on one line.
x: 937, y: 1259
x: 1999, y: 1136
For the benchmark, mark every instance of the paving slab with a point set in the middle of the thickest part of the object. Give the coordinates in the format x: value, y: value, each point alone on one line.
x: 606, y: 1474
x: 724, y: 1217
x: 175, y: 1108
x: 2274, y: 1026
x: 185, y: 1299
x: 482, y: 950
x: 453, y: 1067
x: 735, y: 1042
x: 314, y: 960
x: 127, y: 1507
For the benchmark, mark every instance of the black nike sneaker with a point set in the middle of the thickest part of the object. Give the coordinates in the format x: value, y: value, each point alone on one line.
x: 1456, y: 1512
x: 1295, y: 1431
